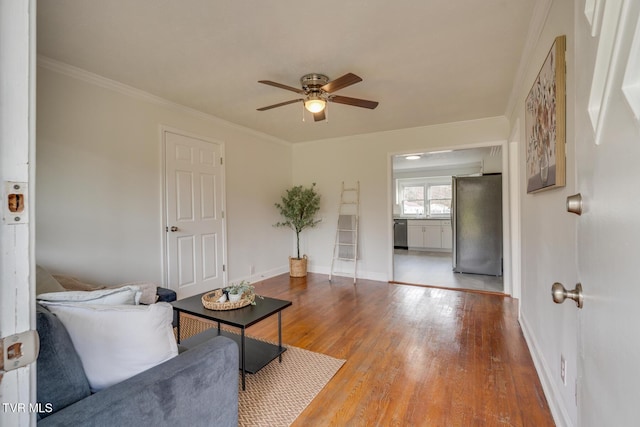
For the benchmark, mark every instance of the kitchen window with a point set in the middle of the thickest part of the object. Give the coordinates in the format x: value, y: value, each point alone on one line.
x: 424, y: 198
x: 413, y: 200
x: 439, y: 199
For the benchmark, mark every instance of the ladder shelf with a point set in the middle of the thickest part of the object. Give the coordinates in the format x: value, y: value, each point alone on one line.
x: 346, y: 242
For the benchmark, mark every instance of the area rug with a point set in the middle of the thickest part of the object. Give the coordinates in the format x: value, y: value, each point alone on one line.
x: 279, y: 392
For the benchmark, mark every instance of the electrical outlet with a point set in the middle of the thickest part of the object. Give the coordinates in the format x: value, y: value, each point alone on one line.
x: 252, y: 270
x: 563, y: 369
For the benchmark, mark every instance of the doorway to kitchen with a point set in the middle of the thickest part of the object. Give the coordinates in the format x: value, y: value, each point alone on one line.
x: 431, y: 248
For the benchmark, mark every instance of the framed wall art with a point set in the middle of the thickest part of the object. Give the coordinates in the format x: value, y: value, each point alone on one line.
x: 545, y: 123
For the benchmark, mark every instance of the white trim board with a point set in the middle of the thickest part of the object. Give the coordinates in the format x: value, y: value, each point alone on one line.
x: 551, y: 392
x: 631, y: 83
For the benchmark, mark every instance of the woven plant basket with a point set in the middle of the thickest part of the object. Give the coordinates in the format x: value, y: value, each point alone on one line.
x: 298, y: 266
x: 209, y: 300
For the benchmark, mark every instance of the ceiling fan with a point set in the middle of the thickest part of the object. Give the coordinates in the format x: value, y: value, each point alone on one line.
x: 318, y: 90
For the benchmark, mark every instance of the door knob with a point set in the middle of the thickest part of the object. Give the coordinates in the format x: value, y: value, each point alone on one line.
x: 559, y: 294
x: 574, y: 204
x: 173, y: 228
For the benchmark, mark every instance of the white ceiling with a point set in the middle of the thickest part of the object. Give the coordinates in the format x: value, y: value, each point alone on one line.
x: 425, y: 61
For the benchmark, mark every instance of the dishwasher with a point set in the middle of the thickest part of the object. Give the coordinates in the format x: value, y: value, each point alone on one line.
x: 400, y: 234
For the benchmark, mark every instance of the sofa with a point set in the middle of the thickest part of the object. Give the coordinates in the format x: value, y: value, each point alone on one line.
x: 197, y: 387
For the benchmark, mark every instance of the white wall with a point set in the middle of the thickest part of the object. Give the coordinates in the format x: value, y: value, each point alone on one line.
x: 549, y: 239
x: 366, y: 158
x: 99, y: 181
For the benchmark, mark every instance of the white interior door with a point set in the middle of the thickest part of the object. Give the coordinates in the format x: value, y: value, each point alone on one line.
x: 195, y: 226
x: 608, y: 154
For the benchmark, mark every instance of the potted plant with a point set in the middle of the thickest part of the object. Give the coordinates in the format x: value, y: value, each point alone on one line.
x: 237, y: 290
x: 298, y: 207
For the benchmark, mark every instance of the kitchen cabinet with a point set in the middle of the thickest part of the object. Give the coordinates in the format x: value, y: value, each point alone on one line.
x: 415, y: 236
x: 432, y: 234
x: 429, y: 234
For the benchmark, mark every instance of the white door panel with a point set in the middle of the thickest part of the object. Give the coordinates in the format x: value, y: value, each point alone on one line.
x: 608, y: 154
x: 186, y: 261
x: 208, y: 204
x: 194, y: 212
x: 210, y: 251
x: 184, y: 195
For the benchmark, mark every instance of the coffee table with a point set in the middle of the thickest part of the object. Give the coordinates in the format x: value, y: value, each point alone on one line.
x: 254, y: 354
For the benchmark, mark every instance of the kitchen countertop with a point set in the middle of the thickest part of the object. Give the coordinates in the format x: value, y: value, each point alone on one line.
x: 444, y: 218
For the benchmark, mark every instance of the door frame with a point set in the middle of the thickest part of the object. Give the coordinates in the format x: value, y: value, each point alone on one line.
x: 510, y: 283
x: 513, y: 212
x: 17, y: 237
x: 163, y: 177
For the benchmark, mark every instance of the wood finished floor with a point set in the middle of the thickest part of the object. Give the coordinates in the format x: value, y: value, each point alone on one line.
x: 415, y: 356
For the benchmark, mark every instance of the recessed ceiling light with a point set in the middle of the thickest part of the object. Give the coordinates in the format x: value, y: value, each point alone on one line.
x: 412, y: 157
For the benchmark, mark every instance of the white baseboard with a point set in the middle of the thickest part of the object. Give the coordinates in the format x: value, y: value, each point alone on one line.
x: 367, y: 275
x: 264, y: 275
x: 258, y: 277
x: 551, y: 392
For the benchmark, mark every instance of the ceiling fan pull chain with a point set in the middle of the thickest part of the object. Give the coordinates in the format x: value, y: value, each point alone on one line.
x: 303, y: 111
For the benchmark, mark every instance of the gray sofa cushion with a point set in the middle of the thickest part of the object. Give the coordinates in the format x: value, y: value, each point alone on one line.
x: 61, y: 378
x: 197, y: 388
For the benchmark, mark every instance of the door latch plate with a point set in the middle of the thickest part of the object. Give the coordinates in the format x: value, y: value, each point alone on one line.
x: 19, y: 350
x: 15, y: 207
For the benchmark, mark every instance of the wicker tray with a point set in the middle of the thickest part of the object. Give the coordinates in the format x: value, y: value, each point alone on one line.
x: 210, y: 301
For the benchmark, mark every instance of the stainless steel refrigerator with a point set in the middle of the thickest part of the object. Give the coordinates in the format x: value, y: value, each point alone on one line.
x: 477, y: 224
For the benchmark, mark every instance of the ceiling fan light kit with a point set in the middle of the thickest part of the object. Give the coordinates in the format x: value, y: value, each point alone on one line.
x: 314, y: 104
x: 317, y: 90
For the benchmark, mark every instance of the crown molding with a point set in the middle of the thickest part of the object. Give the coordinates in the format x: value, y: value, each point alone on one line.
x: 130, y: 91
x: 536, y: 25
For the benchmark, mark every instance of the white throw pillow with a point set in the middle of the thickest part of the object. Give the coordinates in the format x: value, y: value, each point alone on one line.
x: 116, y: 342
x: 112, y: 296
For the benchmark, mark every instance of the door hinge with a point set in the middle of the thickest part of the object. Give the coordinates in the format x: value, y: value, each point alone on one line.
x: 224, y: 267
x: 221, y: 161
x: 222, y: 214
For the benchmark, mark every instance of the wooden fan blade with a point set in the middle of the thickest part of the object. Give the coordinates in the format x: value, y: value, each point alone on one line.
x: 341, y: 82
x: 318, y: 117
x: 354, y: 101
x: 279, y: 105
x: 281, y: 86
